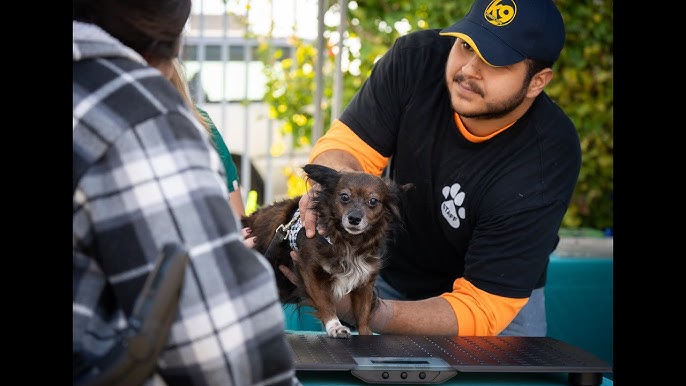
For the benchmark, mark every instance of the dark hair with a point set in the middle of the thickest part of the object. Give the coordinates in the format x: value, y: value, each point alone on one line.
x: 533, y: 66
x: 151, y: 27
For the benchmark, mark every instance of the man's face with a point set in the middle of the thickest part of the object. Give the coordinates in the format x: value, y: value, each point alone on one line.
x: 478, y: 90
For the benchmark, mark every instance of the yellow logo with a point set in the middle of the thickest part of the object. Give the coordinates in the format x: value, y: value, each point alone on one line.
x: 500, y: 12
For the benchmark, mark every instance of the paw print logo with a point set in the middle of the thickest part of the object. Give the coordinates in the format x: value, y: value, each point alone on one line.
x: 452, y: 207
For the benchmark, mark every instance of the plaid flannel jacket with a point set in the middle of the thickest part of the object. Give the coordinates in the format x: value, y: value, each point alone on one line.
x: 145, y: 174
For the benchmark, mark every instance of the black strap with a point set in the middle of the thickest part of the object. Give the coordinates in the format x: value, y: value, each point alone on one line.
x: 280, y: 235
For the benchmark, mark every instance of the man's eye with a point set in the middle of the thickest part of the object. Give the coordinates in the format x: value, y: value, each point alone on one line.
x: 466, y: 46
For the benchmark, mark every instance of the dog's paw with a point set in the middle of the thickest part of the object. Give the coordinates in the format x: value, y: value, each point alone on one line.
x: 335, y: 329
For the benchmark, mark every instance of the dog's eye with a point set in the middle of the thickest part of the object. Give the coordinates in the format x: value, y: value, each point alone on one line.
x: 345, y: 197
x: 373, y: 202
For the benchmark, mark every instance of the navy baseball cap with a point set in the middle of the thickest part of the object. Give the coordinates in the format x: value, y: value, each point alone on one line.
x: 504, y: 32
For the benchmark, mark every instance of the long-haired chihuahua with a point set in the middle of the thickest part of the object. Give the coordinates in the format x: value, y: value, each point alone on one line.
x: 356, y: 214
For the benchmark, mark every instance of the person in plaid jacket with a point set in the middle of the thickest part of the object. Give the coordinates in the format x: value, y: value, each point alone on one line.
x: 145, y: 174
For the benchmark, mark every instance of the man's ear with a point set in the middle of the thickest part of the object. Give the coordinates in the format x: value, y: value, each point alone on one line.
x: 539, y: 81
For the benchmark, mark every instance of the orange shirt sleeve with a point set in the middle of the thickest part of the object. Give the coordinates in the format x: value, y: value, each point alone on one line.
x: 341, y: 137
x: 478, y: 312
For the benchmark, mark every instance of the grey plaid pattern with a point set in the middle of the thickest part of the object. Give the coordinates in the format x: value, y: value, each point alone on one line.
x: 144, y: 175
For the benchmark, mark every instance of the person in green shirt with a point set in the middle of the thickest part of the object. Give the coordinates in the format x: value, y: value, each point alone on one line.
x: 175, y: 75
x: 232, y: 181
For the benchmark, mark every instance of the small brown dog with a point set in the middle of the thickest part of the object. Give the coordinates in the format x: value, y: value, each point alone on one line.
x: 356, y: 212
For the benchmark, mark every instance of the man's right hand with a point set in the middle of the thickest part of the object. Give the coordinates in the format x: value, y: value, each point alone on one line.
x: 308, y: 216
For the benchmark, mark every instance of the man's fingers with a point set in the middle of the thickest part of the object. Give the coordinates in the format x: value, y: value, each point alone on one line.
x: 308, y: 216
x: 290, y: 275
x: 309, y: 223
x: 295, y: 257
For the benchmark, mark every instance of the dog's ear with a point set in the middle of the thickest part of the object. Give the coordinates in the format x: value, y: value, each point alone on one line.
x: 396, y: 197
x: 406, y: 187
x: 398, y: 190
x: 324, y: 175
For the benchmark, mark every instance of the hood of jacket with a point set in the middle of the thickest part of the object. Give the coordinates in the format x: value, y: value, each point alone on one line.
x: 91, y: 41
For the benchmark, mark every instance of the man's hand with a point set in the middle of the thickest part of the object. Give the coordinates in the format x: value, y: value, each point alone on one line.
x: 307, y: 215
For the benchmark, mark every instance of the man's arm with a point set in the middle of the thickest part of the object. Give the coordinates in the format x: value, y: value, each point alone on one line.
x: 339, y: 160
x: 467, y: 310
x: 432, y: 316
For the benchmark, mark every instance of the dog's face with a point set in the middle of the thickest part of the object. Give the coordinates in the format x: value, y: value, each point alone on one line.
x: 354, y: 201
x: 359, y: 202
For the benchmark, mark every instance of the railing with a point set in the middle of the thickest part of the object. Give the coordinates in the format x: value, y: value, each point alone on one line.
x: 226, y: 80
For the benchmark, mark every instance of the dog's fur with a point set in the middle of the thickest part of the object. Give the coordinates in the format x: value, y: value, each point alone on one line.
x: 356, y: 210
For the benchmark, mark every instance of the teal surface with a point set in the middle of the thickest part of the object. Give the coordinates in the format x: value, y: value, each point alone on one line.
x: 301, y: 320
x: 579, y: 303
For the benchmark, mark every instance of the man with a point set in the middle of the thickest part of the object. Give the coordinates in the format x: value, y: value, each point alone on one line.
x: 462, y: 114
x: 145, y: 175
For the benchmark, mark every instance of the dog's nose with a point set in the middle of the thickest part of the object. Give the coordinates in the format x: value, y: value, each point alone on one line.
x: 354, y: 217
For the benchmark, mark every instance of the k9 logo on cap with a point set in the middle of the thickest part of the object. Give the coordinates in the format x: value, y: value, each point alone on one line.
x: 500, y: 13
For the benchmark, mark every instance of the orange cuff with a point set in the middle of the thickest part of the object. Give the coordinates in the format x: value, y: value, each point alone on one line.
x: 480, y: 313
x: 341, y: 137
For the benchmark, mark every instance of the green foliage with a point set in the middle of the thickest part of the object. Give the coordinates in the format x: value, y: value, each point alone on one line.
x: 582, y: 85
x: 291, y: 89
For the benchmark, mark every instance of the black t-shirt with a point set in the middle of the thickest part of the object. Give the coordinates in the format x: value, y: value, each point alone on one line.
x: 487, y: 211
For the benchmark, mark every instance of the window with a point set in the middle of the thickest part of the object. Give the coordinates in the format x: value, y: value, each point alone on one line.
x: 242, y: 80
